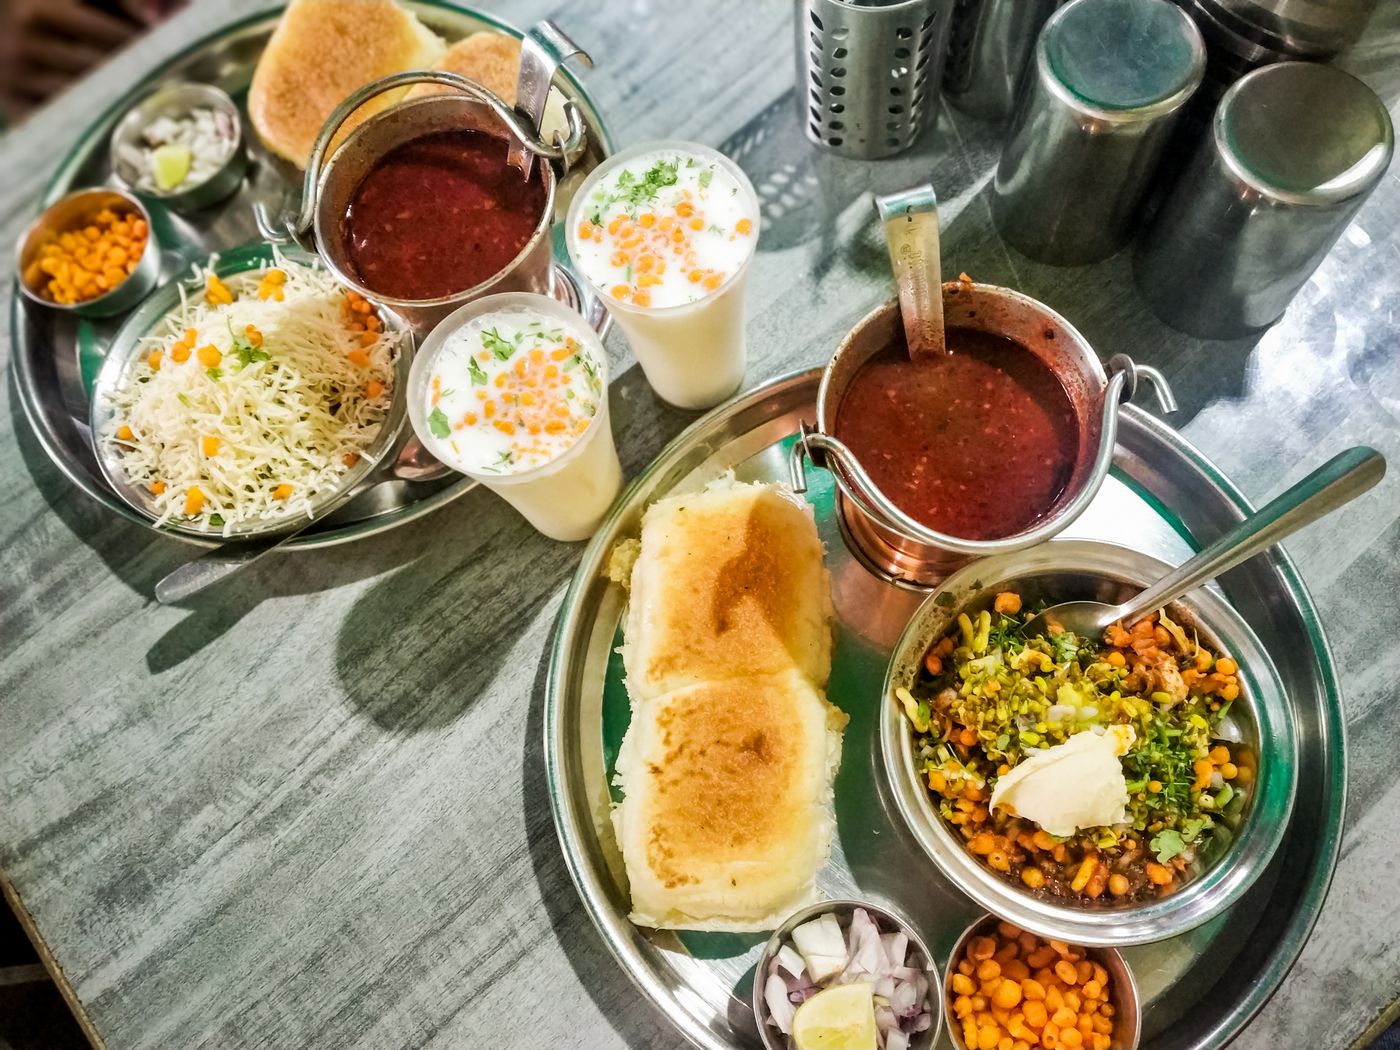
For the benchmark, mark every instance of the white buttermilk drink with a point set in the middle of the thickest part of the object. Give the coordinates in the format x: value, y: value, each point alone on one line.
x: 664, y: 233
x: 512, y: 390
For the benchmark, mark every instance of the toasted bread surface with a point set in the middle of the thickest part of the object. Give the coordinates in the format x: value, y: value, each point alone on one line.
x: 321, y: 52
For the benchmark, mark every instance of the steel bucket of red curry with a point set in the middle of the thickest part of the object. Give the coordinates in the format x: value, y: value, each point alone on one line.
x: 419, y: 207
x: 991, y: 448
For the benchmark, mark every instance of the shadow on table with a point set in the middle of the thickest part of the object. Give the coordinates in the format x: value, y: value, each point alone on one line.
x: 122, y: 545
x: 632, y: 1016
x: 419, y: 645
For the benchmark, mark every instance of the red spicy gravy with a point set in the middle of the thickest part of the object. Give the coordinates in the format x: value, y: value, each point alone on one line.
x: 440, y: 214
x: 978, y: 443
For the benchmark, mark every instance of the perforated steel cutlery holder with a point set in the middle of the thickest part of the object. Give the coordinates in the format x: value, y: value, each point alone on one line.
x: 869, y: 74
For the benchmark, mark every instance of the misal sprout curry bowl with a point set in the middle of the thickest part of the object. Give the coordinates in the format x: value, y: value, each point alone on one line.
x: 1172, y: 857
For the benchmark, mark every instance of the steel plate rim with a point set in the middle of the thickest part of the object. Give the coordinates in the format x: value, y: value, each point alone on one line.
x: 619, y: 935
x: 89, y: 482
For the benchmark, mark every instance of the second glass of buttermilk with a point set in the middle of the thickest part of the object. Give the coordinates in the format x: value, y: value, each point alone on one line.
x: 664, y: 232
x: 512, y: 390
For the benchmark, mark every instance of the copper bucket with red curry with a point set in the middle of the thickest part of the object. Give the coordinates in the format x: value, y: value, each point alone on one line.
x: 993, y: 447
x: 420, y: 207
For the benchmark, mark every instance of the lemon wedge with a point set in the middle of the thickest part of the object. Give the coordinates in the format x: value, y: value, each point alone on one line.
x: 170, y: 165
x: 839, y: 1018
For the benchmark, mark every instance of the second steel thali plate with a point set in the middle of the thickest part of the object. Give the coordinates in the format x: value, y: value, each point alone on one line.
x: 56, y: 356
x: 1161, y: 497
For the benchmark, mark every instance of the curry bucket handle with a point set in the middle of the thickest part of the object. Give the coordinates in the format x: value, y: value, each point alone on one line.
x: 298, y: 228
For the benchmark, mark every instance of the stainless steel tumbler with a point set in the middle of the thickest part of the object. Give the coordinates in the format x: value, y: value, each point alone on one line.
x: 988, y: 47
x: 1242, y: 35
x: 1294, y: 150
x: 868, y: 74
x: 1108, y: 85
x: 1305, y: 28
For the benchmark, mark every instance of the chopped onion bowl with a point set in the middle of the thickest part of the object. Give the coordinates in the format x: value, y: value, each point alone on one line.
x: 821, y: 953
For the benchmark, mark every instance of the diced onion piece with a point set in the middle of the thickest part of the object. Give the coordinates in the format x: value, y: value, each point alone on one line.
x: 780, y: 1010
x: 790, y: 961
x: 822, y: 947
x: 896, y: 946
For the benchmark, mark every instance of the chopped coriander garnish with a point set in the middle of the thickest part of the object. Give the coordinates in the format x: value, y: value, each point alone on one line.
x: 633, y: 192
x: 437, y: 423
x: 706, y: 176
x: 476, y: 372
x: 1167, y: 844
x: 247, y: 353
x: 214, y: 373
x: 505, y: 459
x: 501, y: 347
x: 216, y: 519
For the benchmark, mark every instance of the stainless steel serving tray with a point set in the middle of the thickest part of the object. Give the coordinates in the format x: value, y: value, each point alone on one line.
x: 1161, y: 497
x: 56, y: 355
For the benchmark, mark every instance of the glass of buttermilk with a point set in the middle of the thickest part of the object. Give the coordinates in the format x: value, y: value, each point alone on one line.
x: 512, y: 390
x: 664, y: 233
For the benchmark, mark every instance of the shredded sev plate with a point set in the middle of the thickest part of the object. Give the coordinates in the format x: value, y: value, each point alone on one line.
x: 285, y: 383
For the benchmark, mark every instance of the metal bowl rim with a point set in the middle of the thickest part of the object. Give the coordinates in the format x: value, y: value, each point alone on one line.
x: 1091, y: 368
x: 1211, y: 890
x: 881, y: 912
x: 126, y: 126
x: 542, y: 231
x: 87, y: 305
x: 955, y: 1037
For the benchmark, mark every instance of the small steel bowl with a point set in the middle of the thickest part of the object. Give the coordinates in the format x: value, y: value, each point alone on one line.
x: 843, y: 909
x: 175, y: 100
x: 72, y: 213
x: 1127, y: 1017
x: 127, y: 347
x: 1261, y: 721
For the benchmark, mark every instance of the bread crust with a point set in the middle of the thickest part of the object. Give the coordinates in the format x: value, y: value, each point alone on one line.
x: 491, y: 59
x: 321, y: 52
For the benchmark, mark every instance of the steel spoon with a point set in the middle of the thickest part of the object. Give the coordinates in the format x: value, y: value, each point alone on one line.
x: 911, y: 234
x: 413, y: 463
x: 1337, y: 482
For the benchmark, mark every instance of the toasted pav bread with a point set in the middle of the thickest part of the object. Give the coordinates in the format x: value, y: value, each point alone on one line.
x: 729, y: 584
x: 491, y: 59
x: 321, y: 52
x: 727, y: 812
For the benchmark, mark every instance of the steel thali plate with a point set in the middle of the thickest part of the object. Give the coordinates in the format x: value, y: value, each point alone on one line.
x: 1162, y: 497
x: 56, y: 356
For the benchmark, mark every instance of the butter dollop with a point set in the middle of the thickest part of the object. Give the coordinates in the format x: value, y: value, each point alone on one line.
x: 1077, y: 784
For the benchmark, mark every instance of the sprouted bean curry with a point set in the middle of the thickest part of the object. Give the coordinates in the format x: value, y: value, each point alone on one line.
x: 989, y: 697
